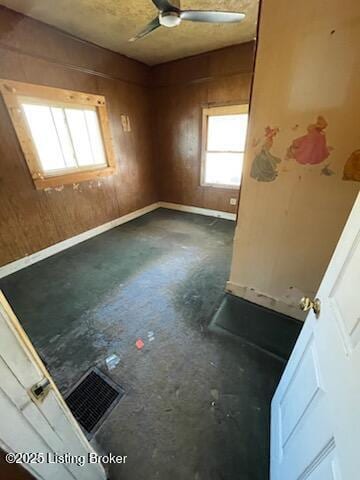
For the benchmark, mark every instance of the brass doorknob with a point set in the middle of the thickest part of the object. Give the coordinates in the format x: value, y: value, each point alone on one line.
x: 306, y: 304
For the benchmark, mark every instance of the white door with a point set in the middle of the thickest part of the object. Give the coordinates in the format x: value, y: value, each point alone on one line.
x: 315, y: 414
x: 41, y: 425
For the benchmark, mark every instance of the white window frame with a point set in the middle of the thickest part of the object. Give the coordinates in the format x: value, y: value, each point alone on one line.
x: 220, y: 111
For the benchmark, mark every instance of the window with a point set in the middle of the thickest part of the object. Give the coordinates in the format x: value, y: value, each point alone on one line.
x: 64, y: 135
x: 223, y: 145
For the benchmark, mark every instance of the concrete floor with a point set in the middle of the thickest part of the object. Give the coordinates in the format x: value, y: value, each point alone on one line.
x: 197, y: 402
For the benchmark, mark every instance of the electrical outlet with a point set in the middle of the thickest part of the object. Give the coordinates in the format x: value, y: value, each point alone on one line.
x: 233, y: 201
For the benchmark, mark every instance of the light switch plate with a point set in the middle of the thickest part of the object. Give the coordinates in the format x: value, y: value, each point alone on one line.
x: 233, y: 201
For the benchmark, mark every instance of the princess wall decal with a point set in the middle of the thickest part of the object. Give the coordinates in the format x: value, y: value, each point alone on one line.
x: 311, y: 148
x: 264, y: 166
x: 352, y: 167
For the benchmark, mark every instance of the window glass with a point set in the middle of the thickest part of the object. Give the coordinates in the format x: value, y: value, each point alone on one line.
x: 65, y: 138
x: 223, y: 168
x: 227, y: 132
x: 79, y: 136
x: 224, y: 147
x: 45, y: 137
x: 93, y: 127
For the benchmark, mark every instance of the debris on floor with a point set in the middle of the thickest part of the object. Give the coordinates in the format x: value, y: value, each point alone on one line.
x: 112, y: 361
x: 215, y: 393
x: 151, y: 336
x: 184, y: 368
x: 54, y: 339
x: 139, y: 344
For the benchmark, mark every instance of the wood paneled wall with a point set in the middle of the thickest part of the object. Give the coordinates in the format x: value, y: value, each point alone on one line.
x: 180, y: 90
x: 158, y: 159
x: 31, y: 220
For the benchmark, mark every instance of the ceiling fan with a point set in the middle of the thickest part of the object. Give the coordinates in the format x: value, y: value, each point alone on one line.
x: 170, y: 15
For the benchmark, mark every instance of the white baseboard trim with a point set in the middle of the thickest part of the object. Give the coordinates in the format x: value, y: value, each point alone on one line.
x: 198, y: 210
x: 276, y: 304
x: 58, y: 247
x: 13, y: 267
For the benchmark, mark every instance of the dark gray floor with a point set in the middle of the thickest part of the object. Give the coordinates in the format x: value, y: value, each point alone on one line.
x: 264, y: 328
x: 197, y: 402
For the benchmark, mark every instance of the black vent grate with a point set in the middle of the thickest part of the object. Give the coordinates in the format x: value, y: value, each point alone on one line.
x: 92, y: 399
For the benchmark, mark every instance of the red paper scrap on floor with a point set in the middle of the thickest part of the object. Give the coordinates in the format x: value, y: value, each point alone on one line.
x: 139, y: 343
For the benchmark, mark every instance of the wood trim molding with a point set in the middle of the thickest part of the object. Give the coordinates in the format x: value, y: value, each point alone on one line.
x: 230, y: 109
x: 213, y: 110
x: 71, y: 66
x: 12, y: 91
x: 97, y: 73
x: 73, y: 177
x: 13, y: 87
x: 208, y: 79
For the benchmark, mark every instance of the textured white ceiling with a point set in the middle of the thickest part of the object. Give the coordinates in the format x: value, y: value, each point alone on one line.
x: 110, y: 23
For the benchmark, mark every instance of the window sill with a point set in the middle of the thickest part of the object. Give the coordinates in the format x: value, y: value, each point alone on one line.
x: 218, y: 185
x: 74, y: 177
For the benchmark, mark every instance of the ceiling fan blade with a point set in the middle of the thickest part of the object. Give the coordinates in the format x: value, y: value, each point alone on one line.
x: 165, y: 5
x: 211, y: 16
x: 153, y: 25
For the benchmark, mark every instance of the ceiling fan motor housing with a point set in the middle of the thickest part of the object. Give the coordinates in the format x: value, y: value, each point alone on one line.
x: 169, y: 19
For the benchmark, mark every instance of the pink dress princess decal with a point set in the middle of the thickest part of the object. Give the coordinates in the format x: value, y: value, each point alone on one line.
x: 310, y: 148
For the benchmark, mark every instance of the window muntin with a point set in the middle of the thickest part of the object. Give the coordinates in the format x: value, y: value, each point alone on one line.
x: 224, y: 129
x: 64, y: 135
x: 65, y: 138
